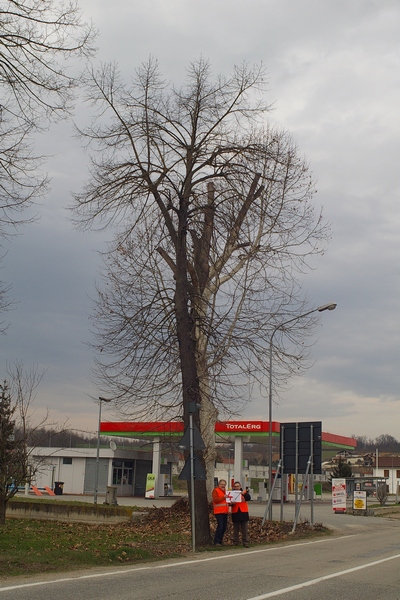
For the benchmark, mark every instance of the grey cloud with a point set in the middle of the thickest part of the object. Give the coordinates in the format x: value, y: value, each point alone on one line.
x: 334, y: 81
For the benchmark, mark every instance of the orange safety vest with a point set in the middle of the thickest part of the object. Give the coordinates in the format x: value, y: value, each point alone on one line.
x: 220, y: 504
x: 243, y: 506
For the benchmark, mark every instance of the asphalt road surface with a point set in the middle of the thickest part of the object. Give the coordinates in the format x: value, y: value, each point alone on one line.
x: 359, y: 561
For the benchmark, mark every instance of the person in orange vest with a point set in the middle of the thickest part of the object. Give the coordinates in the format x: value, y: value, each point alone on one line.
x: 240, y: 517
x: 221, y: 509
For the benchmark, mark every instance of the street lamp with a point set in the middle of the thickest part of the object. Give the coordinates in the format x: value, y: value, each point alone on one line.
x: 330, y: 306
x: 96, y: 480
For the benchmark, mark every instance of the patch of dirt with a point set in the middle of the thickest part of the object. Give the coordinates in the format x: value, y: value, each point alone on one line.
x: 177, y: 519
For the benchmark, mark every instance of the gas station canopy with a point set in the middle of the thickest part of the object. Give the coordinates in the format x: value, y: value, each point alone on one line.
x: 255, y: 432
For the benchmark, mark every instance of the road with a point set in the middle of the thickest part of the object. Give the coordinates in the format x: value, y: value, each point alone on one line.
x: 361, y: 560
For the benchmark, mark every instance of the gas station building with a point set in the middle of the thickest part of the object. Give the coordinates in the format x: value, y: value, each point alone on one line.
x: 236, y: 432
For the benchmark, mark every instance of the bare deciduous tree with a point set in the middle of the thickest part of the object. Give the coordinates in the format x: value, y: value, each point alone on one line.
x: 215, y: 220
x: 37, y: 38
x: 16, y: 399
x: 13, y: 461
x: 382, y: 494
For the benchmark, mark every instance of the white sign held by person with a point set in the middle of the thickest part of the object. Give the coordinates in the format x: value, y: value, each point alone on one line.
x: 233, y: 496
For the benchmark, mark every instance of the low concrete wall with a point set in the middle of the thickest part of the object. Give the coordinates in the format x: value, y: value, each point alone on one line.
x: 392, y: 512
x: 72, y: 514
x: 389, y: 511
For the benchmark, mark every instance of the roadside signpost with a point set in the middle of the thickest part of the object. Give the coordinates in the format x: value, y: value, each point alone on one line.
x: 339, y: 495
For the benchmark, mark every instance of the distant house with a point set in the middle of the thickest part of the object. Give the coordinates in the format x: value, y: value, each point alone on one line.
x: 361, y: 464
x: 388, y: 467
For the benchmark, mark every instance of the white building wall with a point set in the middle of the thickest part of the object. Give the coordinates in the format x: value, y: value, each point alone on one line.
x: 54, y: 469
x: 393, y: 482
x: 73, y: 475
x: 45, y: 474
x: 52, y: 465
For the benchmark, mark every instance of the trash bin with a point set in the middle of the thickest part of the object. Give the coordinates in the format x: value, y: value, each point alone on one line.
x: 58, y: 488
x: 111, y: 495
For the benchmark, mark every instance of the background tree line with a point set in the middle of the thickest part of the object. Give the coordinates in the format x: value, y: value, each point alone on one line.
x: 383, y: 442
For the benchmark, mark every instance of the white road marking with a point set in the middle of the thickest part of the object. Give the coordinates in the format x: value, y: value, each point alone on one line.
x: 189, y: 561
x: 305, y: 584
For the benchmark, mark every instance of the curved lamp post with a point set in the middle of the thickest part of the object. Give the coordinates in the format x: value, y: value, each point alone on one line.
x: 96, y: 476
x: 330, y: 306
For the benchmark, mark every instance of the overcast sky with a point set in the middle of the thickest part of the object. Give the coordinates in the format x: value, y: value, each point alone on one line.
x: 334, y: 79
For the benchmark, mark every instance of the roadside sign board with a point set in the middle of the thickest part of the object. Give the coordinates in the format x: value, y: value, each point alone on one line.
x: 359, y: 500
x: 299, y: 441
x: 339, y: 495
x: 150, y: 485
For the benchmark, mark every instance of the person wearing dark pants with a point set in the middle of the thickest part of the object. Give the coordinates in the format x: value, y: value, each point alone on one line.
x: 220, y: 507
x: 240, y: 517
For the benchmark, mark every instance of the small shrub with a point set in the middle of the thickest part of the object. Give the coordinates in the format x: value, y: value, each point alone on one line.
x: 382, y: 495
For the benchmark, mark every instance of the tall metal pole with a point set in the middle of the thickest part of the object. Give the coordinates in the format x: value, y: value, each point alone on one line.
x: 283, y: 477
x: 229, y: 468
x: 311, y: 486
x: 296, y: 471
x: 96, y: 476
x: 270, y: 427
x: 192, y: 500
x: 330, y: 306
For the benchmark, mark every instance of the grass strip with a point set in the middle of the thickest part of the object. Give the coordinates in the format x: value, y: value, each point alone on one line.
x: 33, y: 546
x: 45, y: 546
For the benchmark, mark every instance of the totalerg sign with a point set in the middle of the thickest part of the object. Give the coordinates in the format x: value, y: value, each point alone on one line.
x: 239, y: 426
x: 242, y: 426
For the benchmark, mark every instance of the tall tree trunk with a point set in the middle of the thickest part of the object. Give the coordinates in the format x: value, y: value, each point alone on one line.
x: 208, y: 418
x: 200, y: 271
x: 208, y: 412
x: 190, y: 381
x: 3, y: 506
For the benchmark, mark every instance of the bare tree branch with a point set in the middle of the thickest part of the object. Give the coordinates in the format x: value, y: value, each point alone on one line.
x: 37, y: 39
x: 216, y: 220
